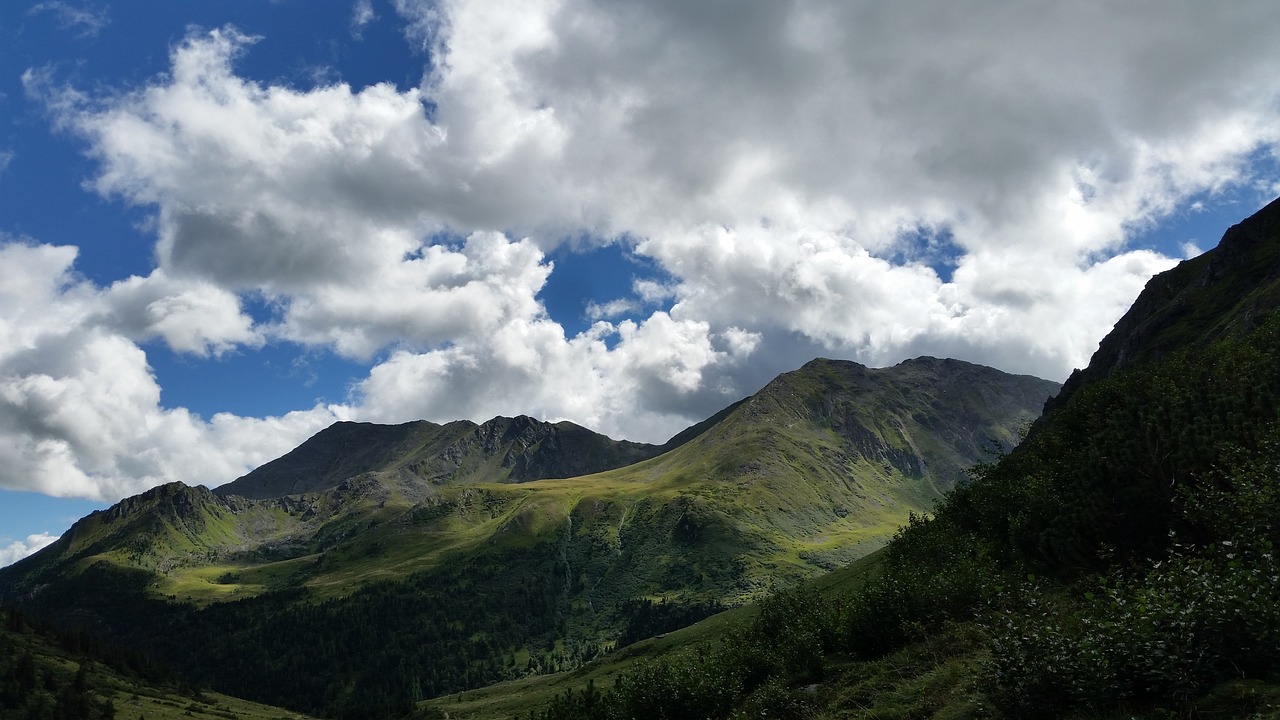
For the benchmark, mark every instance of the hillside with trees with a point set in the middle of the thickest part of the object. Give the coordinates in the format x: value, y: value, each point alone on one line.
x: 1119, y: 563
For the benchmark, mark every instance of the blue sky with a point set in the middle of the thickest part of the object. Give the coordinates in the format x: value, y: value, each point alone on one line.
x: 224, y: 226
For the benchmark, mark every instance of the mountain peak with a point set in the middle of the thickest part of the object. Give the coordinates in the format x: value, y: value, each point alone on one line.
x: 502, y: 449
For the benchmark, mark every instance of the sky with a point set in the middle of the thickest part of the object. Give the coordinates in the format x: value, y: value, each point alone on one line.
x: 225, y: 226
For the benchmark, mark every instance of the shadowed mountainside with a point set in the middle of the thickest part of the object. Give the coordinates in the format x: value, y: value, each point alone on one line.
x: 1223, y: 291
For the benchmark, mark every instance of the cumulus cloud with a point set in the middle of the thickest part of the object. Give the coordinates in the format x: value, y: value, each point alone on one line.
x: 19, y: 549
x: 191, y: 317
x: 323, y: 201
x: 633, y: 379
x: 80, y: 411
x: 800, y: 172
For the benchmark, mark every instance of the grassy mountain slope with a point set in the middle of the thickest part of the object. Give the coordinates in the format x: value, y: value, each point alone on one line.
x: 1118, y: 564
x: 410, y: 588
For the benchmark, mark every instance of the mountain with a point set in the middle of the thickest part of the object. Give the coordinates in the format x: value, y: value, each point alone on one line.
x: 422, y: 559
x: 1120, y: 562
x: 516, y: 449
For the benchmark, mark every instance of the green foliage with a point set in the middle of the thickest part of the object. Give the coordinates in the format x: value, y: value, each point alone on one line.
x: 646, y: 618
x: 1161, y: 637
x: 747, y: 673
x: 47, y: 675
x: 932, y: 574
x: 1114, y: 470
x: 1167, y: 632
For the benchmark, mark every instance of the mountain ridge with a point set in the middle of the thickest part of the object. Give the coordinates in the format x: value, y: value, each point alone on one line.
x: 817, y: 468
x: 517, y: 449
x: 1220, y: 292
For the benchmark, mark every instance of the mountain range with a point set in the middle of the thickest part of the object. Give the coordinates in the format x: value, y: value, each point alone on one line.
x: 422, y: 535
x: 1117, y: 560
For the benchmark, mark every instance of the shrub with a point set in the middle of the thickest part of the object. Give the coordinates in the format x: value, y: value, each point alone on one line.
x: 1162, y: 637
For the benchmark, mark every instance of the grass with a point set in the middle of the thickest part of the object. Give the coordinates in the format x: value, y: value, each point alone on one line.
x: 132, y: 702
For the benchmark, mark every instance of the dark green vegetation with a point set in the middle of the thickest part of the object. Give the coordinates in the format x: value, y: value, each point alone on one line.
x: 51, y: 675
x: 418, y: 567
x: 1119, y: 563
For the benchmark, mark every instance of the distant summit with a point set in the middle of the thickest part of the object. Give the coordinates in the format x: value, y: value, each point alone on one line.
x: 503, y: 449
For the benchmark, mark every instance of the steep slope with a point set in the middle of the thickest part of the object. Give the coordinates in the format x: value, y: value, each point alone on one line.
x: 503, y: 449
x: 1223, y: 291
x: 1120, y: 560
x: 407, y: 580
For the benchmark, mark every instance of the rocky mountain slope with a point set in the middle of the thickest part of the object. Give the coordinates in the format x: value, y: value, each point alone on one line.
x: 503, y: 449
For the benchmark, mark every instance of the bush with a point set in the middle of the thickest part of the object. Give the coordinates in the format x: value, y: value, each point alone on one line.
x: 1163, y: 637
x: 933, y: 573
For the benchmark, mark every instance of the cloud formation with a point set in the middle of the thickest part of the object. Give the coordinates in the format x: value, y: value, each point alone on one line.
x: 19, y: 549
x: 80, y: 412
x: 361, y: 15
x: 801, y: 171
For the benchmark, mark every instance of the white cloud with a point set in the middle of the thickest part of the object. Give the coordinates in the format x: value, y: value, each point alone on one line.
x: 775, y: 160
x: 322, y: 201
x: 611, y: 309
x: 192, y: 317
x: 770, y: 158
x: 646, y: 292
x: 19, y: 549
x: 361, y: 15
x: 86, y: 20
x: 80, y: 411
x: 656, y: 374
